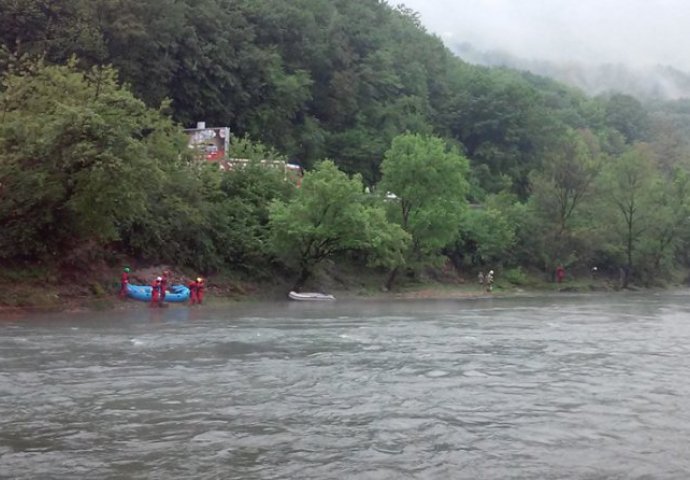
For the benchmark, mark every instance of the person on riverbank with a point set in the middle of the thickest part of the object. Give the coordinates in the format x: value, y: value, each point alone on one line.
x: 155, y: 291
x: 489, y: 281
x: 480, y: 279
x: 560, y: 273
x: 124, y: 282
x: 200, y: 290
x: 193, y: 290
x: 163, y: 287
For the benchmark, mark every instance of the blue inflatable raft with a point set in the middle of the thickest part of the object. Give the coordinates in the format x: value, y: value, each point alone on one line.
x: 175, y: 293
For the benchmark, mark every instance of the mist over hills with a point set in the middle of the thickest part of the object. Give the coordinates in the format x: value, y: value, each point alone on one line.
x: 660, y: 82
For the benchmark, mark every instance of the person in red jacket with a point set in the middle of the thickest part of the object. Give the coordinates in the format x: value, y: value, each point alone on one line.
x: 155, y: 291
x: 163, y: 288
x: 124, y: 282
x: 560, y: 273
x: 199, y: 290
x: 193, y: 290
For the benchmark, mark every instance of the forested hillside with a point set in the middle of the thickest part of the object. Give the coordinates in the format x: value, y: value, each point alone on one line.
x: 95, y: 93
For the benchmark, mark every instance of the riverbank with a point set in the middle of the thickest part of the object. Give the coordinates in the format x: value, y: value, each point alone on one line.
x: 35, y: 290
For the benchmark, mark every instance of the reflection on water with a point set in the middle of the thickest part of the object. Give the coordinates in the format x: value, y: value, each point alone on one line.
x: 560, y: 387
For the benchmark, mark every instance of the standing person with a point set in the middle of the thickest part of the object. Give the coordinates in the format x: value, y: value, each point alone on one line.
x: 560, y: 273
x: 155, y: 291
x: 199, y: 290
x: 193, y: 292
x: 124, y: 282
x: 489, y: 281
x: 163, y: 287
x: 480, y: 278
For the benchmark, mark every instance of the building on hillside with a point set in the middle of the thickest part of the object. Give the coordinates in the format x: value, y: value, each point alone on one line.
x: 291, y: 171
x: 210, y: 144
x: 213, y: 145
x: 294, y: 173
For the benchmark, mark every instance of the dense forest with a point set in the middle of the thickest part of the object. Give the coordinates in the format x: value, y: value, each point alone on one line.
x: 412, y: 157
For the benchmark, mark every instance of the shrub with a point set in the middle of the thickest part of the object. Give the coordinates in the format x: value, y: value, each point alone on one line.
x: 515, y: 276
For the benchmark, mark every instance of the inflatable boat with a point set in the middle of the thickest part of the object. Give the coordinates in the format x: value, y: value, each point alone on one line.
x: 175, y: 293
x: 310, y: 297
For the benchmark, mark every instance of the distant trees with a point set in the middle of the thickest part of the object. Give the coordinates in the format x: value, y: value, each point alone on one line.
x: 627, y: 115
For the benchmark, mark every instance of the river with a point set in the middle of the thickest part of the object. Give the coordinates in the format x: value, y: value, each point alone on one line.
x: 581, y: 387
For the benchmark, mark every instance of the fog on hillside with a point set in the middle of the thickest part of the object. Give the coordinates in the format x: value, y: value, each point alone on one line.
x: 632, y: 46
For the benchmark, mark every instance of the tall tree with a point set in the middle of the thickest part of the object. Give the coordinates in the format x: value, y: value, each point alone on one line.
x: 559, y: 188
x: 429, y: 182
x: 630, y: 185
x: 329, y: 215
x: 671, y: 223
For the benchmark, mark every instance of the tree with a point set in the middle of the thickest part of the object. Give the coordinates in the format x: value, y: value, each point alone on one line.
x: 54, y: 31
x: 670, y: 225
x: 627, y: 115
x: 429, y: 182
x: 558, y: 190
x: 485, y: 236
x: 209, y: 219
x: 242, y: 230
x: 630, y: 185
x: 328, y: 215
x: 78, y: 154
x: 500, y: 119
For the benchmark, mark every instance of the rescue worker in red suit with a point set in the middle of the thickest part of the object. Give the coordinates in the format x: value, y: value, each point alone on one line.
x: 155, y: 291
x: 124, y: 281
x: 193, y: 289
x: 560, y: 273
x: 163, y: 287
x: 199, y: 290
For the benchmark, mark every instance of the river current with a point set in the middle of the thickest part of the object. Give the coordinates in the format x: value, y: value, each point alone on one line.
x: 571, y: 387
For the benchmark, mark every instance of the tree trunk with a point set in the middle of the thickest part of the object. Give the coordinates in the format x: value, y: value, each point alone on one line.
x: 456, y: 259
x: 391, y: 278
x: 304, y: 275
x: 628, y: 267
x: 624, y: 276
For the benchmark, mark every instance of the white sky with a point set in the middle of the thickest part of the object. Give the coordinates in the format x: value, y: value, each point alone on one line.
x: 633, y: 32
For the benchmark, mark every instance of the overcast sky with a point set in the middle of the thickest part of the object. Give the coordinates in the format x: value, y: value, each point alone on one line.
x: 633, y: 32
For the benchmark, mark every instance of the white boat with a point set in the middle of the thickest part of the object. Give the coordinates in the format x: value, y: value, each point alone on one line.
x: 310, y: 296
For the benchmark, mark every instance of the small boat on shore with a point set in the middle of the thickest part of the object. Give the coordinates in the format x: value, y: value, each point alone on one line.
x: 310, y: 297
x: 176, y: 293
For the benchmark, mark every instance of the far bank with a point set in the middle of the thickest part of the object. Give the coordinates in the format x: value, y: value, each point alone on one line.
x: 43, y: 289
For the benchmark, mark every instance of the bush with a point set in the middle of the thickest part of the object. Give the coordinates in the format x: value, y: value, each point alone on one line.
x: 515, y: 276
